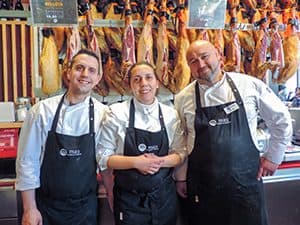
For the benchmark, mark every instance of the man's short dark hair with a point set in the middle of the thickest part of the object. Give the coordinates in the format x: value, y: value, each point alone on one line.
x: 85, y: 51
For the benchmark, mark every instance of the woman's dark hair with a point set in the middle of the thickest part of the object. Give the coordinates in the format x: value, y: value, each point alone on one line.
x: 140, y: 64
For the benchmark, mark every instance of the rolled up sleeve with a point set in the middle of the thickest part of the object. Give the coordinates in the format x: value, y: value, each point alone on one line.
x: 29, y: 155
x: 110, y: 140
x: 279, y: 123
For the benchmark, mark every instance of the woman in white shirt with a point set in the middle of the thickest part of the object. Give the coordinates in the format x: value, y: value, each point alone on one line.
x: 141, y: 141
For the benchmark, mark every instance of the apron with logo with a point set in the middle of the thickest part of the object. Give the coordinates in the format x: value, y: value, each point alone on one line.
x: 144, y: 199
x: 222, y: 169
x: 67, y: 194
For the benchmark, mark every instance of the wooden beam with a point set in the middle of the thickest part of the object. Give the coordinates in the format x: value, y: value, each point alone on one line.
x: 23, y: 60
x: 14, y: 62
x: 4, y: 54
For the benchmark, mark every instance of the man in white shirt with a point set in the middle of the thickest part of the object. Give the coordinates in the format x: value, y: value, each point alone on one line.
x: 56, y: 161
x: 221, y: 179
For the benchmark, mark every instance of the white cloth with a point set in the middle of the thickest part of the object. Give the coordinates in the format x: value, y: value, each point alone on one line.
x: 73, y: 120
x: 146, y: 118
x: 257, y: 98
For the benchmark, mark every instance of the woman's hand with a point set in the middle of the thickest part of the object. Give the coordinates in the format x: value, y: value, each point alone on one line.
x: 148, y: 163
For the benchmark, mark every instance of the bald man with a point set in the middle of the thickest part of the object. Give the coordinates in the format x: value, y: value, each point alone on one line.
x: 221, y: 179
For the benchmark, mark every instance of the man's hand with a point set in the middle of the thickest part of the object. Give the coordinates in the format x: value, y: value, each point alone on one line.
x: 32, y: 217
x: 181, y: 188
x: 266, y: 168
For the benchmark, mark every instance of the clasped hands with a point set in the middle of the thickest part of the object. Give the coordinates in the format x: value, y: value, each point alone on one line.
x: 149, y: 163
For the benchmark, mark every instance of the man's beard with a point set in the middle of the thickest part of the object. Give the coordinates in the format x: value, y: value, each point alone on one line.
x: 210, y: 78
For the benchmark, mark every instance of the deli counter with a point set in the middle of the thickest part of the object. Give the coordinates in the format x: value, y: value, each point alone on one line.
x: 282, y: 191
x: 282, y: 195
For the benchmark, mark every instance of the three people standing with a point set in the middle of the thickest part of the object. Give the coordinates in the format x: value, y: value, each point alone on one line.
x: 142, y: 140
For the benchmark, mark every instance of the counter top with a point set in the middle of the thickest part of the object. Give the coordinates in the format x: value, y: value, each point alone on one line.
x: 11, y: 124
x: 292, y: 153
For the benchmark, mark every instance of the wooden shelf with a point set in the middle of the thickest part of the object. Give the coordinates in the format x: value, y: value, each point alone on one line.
x: 14, y: 14
x: 11, y: 125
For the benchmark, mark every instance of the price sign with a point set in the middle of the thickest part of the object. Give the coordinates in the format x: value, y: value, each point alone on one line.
x: 54, y: 12
x: 207, y: 14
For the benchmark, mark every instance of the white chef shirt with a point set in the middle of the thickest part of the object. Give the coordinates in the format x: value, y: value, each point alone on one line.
x: 257, y: 98
x: 146, y: 118
x: 73, y: 120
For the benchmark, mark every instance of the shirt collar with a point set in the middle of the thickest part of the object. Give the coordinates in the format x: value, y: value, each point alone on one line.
x: 86, y: 101
x: 204, y: 87
x: 145, y: 109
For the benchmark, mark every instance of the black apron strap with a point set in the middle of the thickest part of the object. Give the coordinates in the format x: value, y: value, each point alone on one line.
x: 55, y: 120
x: 161, y: 119
x: 92, y: 116
x: 131, y: 114
x: 235, y: 91
x: 198, y: 99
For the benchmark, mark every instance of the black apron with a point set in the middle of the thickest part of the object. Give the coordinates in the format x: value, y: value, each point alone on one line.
x: 144, y: 199
x: 68, y: 191
x: 222, y: 169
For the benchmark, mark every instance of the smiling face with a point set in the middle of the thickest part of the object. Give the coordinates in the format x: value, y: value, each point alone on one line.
x: 143, y: 83
x: 83, y: 75
x: 204, y: 62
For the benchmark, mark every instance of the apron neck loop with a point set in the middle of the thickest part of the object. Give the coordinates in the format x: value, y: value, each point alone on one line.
x: 232, y: 86
x: 132, y: 111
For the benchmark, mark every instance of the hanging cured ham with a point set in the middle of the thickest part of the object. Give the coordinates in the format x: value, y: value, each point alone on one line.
x: 181, y: 75
x: 48, y: 64
x: 276, y: 47
x: 259, y: 63
x: 233, y: 53
x: 218, y: 41
x: 92, y: 43
x: 113, y: 34
x: 137, y: 7
x: 291, y: 49
x: 232, y: 10
x: 59, y: 37
x: 128, y: 48
x: 73, y: 46
x: 113, y: 76
x: 99, y: 30
x: 233, y: 45
x: 162, y: 44
x: 202, y: 34
x: 145, y: 43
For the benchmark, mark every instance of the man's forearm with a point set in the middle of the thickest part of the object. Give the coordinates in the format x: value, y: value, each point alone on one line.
x: 28, y: 198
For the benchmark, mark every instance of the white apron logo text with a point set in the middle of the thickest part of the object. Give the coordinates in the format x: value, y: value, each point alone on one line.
x: 219, y: 122
x: 142, y: 147
x: 70, y: 152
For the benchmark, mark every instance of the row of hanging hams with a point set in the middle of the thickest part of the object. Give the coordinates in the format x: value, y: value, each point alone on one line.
x: 268, y: 48
x: 272, y: 43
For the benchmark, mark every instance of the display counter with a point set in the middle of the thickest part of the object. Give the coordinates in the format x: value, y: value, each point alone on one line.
x: 283, y: 196
x: 11, y: 125
x: 281, y: 190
